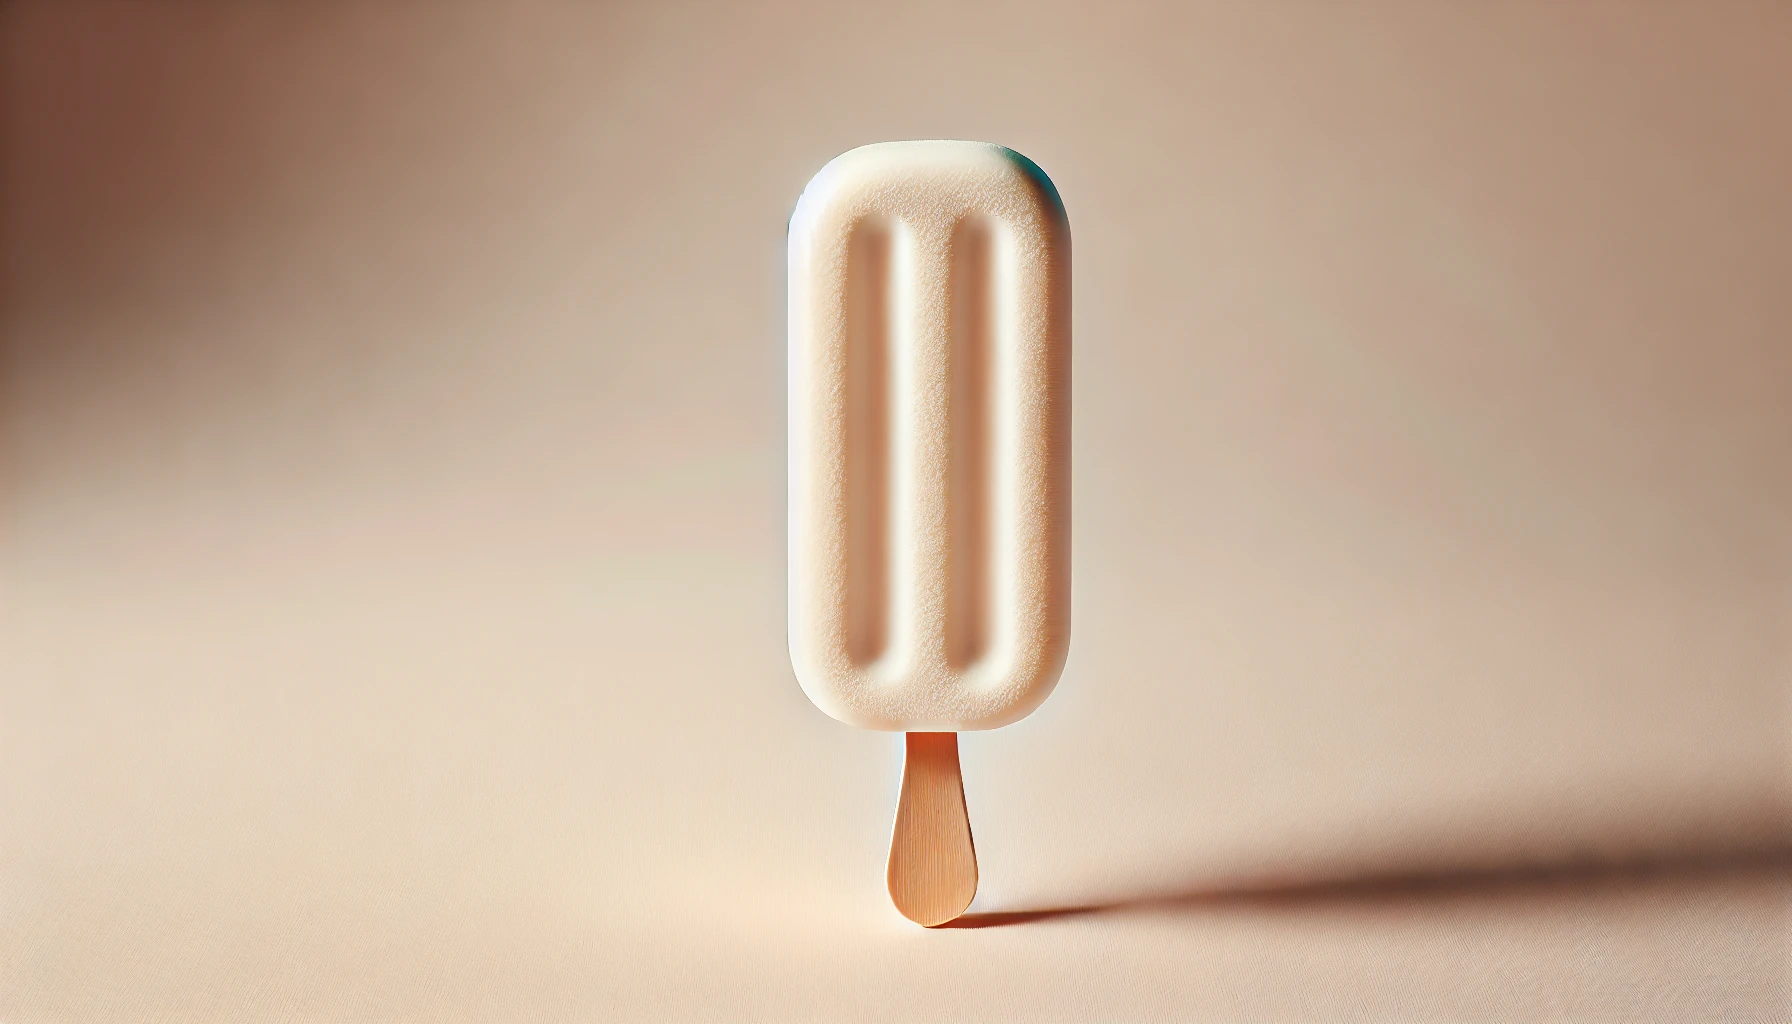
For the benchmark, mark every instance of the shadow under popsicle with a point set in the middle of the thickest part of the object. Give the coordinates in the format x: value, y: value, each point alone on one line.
x: 1394, y: 889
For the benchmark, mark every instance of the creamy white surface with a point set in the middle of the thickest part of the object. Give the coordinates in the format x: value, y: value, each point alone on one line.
x: 921, y: 205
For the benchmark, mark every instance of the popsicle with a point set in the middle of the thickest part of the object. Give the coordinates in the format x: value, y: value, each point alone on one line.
x: 929, y: 468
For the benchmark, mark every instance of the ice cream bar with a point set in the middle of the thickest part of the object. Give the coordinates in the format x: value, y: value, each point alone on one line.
x: 929, y: 460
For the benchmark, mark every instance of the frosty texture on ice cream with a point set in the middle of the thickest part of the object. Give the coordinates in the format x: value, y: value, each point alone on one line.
x: 929, y: 388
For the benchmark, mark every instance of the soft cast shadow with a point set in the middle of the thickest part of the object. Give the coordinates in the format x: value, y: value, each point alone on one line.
x: 1393, y: 889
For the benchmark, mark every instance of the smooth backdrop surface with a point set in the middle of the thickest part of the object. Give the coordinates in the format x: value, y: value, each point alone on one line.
x: 391, y: 560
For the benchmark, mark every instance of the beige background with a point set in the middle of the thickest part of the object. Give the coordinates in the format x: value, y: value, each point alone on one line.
x: 391, y: 618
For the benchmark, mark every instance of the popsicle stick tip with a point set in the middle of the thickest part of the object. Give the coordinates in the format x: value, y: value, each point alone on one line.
x: 933, y: 863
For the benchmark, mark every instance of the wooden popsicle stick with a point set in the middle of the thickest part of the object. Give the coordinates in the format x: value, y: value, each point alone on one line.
x: 933, y: 866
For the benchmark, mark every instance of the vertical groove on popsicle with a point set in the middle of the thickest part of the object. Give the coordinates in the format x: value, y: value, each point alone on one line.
x: 868, y: 413
x: 933, y: 864
x: 1007, y: 295
x: 969, y: 407
x: 905, y: 402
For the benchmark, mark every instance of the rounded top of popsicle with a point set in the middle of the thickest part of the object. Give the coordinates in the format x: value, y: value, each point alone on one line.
x: 919, y: 156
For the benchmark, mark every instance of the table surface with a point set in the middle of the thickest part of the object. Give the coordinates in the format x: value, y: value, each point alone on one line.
x: 391, y: 532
